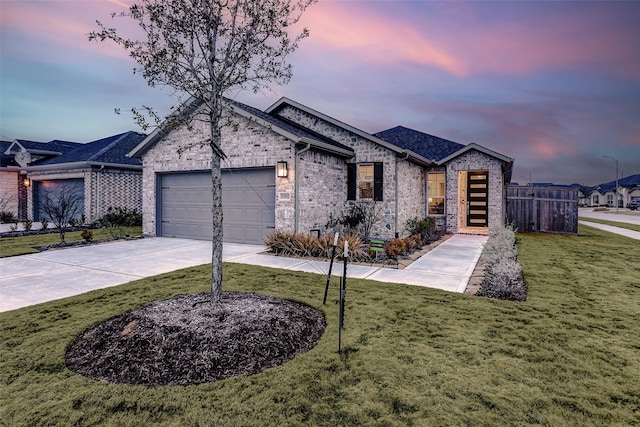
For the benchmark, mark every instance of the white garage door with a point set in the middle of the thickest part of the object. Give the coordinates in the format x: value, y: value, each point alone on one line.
x: 248, y: 203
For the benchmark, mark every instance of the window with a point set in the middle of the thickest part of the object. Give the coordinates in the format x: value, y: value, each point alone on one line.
x: 365, y: 180
x: 609, y: 199
x: 435, y: 193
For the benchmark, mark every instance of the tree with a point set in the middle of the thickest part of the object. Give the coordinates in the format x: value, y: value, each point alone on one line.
x: 203, y: 50
x: 62, y: 205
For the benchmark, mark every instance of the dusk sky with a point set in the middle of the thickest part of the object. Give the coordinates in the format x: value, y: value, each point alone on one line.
x: 554, y: 85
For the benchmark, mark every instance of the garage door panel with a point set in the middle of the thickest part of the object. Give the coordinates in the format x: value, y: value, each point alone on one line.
x: 248, y: 200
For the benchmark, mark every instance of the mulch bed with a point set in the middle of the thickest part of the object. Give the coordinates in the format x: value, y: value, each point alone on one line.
x: 188, y: 340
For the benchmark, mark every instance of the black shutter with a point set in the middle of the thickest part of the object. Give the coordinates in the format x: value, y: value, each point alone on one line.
x: 351, y: 181
x: 377, y: 181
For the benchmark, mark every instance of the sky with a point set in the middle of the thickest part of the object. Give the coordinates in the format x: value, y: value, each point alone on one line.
x: 554, y: 85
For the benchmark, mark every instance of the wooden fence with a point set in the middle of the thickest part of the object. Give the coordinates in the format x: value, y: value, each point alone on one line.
x: 546, y: 209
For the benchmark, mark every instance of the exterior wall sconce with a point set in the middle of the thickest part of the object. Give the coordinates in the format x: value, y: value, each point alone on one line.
x: 26, y: 182
x: 281, y: 169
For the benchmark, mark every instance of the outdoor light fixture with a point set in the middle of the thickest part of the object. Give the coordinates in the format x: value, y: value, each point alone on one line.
x: 26, y: 182
x: 281, y: 169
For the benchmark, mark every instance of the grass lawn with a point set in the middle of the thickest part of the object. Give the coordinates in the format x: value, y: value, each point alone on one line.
x: 626, y: 225
x: 570, y: 355
x: 13, y: 246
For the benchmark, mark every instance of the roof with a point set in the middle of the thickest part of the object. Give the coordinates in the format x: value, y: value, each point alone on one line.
x: 289, y: 130
x: 400, y: 151
x: 6, y: 159
x: 110, y: 150
x: 630, y: 181
x: 429, y: 146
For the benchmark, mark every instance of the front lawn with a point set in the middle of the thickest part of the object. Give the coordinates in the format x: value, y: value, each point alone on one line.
x: 23, y: 245
x: 626, y: 225
x: 569, y: 355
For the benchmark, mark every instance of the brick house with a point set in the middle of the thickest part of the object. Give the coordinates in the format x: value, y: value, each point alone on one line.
x: 291, y: 167
x: 99, y: 171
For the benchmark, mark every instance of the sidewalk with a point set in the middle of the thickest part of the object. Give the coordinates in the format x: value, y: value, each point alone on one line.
x: 617, y: 230
x: 33, y: 279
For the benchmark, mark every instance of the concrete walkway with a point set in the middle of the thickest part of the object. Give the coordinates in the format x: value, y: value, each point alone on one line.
x: 611, y: 229
x: 32, y: 279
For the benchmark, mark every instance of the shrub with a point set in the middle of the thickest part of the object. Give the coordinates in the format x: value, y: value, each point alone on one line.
x: 120, y: 217
x: 413, y: 242
x: 44, y: 223
x: 356, y: 247
x: 420, y: 226
x: 395, y: 248
x: 27, y: 224
x: 303, y: 244
x: 503, y: 275
x: 7, y: 217
x: 87, y: 235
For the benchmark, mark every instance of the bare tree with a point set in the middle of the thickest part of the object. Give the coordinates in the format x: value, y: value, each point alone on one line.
x: 204, y: 50
x: 62, y: 205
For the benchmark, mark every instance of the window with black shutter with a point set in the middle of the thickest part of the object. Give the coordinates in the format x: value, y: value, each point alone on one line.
x: 351, y: 181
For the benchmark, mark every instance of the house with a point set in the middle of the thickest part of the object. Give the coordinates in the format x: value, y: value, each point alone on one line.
x: 99, y: 172
x: 291, y: 168
x: 605, y: 194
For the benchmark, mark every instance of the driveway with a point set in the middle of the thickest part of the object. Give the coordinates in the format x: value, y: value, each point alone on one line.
x: 33, y: 279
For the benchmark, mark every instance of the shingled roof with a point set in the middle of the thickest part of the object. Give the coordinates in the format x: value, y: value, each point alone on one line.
x: 630, y: 181
x: 432, y: 147
x: 110, y: 150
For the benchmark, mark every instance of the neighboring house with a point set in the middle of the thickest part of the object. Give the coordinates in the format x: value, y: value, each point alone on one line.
x: 605, y: 194
x: 99, y: 171
x: 291, y: 168
x: 14, y: 157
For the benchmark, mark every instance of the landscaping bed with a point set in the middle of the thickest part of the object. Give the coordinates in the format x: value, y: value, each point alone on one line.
x: 188, y: 340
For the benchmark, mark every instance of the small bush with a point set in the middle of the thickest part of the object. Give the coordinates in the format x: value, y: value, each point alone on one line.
x: 7, y: 217
x: 503, y: 275
x: 120, y: 217
x: 87, y: 235
x: 303, y: 244
x: 44, y: 223
x: 27, y: 224
x: 395, y: 248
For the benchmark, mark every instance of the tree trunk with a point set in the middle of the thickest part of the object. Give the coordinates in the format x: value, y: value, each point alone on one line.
x: 216, y: 210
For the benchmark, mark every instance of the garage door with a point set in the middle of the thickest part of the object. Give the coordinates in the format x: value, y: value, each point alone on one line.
x: 248, y: 203
x: 68, y: 191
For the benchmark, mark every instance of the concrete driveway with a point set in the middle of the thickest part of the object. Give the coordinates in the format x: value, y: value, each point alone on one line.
x: 33, y: 279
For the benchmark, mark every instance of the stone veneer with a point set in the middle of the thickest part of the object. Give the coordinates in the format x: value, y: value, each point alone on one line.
x: 471, y: 161
x: 410, y: 185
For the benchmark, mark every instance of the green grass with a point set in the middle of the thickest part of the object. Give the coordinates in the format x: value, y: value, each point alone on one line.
x: 568, y: 356
x: 626, y: 225
x: 13, y: 246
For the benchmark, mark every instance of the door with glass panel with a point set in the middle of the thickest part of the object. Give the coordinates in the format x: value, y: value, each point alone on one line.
x: 477, y: 199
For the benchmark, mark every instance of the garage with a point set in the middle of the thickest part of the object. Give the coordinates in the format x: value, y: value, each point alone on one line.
x: 248, y: 203
x: 67, y: 192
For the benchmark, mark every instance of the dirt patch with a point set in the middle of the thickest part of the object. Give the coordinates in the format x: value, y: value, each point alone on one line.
x: 187, y: 340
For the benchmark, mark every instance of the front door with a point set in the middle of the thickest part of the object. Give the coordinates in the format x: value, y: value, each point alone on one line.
x: 478, y: 198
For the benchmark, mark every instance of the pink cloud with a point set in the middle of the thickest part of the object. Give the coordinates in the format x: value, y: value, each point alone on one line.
x: 374, y: 38
x: 64, y: 25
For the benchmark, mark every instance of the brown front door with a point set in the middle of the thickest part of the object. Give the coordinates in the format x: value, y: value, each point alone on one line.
x: 478, y: 197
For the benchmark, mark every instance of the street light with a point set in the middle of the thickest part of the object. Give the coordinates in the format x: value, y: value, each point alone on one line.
x: 616, y: 192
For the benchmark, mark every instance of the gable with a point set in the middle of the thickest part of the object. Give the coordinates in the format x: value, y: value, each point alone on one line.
x: 334, y: 129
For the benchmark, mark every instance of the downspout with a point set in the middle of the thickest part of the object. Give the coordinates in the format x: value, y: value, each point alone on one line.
x: 296, y: 187
x: 406, y: 156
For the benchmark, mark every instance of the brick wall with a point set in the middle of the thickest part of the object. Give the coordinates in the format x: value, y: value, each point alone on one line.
x: 9, y: 192
x: 411, y: 177
x: 103, y: 188
x: 247, y: 145
x: 114, y: 188
x: 473, y: 161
